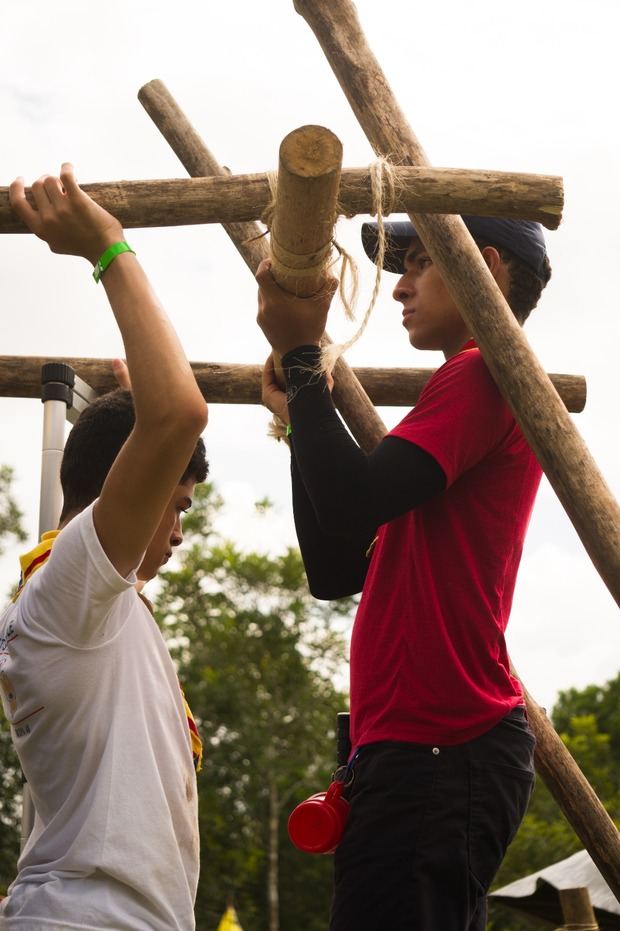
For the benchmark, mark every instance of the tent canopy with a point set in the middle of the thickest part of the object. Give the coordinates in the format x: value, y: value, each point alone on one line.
x: 538, y: 892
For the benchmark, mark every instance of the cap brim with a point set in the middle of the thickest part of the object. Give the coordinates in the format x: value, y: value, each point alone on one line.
x: 524, y: 238
x: 398, y: 236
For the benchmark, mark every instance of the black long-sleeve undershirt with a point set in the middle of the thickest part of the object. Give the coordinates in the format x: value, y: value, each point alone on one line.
x: 340, y: 494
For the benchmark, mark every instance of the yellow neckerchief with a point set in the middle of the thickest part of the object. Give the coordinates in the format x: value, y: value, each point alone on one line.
x: 33, y: 560
x: 195, y: 738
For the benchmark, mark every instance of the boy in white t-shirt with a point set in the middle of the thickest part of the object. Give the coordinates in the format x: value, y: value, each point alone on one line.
x: 96, y: 712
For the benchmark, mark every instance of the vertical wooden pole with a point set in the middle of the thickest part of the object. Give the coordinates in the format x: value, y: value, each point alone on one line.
x: 305, y: 209
x: 577, y: 909
x: 304, y: 213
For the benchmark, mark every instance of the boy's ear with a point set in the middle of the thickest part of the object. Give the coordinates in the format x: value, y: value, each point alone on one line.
x: 493, y: 259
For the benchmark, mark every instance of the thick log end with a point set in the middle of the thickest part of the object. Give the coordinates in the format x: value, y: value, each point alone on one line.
x: 311, y: 152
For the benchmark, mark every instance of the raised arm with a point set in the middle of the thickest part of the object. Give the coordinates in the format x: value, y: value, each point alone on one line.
x: 170, y: 410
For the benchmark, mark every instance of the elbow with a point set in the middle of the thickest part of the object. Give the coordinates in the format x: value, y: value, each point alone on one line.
x: 331, y: 594
x: 333, y: 589
x: 198, y: 415
x: 172, y: 429
x: 189, y: 419
x: 335, y: 521
x: 345, y: 523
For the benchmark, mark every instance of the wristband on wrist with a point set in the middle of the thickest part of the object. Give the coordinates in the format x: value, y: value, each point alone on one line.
x: 108, y: 257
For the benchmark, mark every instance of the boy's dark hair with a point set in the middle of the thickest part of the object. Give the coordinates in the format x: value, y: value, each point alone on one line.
x: 94, y: 443
x: 525, y: 286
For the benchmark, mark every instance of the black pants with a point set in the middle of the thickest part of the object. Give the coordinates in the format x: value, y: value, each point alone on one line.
x: 428, y: 829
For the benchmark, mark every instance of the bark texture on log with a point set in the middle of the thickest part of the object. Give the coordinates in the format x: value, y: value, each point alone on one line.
x: 199, y: 161
x: 536, y: 405
x: 577, y: 910
x: 235, y: 383
x: 304, y: 213
x: 231, y: 199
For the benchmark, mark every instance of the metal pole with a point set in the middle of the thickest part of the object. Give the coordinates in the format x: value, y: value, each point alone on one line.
x: 57, y: 382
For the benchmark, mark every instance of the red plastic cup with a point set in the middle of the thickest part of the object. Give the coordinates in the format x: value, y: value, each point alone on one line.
x: 316, y: 825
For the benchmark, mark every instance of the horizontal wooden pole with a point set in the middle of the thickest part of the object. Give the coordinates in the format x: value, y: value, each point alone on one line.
x: 241, y: 198
x: 235, y: 383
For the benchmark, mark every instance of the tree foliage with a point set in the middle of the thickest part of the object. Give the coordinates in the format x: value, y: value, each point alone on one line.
x: 10, y: 772
x: 588, y: 721
x: 10, y: 514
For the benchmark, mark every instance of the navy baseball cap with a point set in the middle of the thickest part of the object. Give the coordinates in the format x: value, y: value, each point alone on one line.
x: 524, y: 238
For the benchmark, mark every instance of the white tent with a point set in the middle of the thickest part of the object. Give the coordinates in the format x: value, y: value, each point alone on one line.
x: 538, y: 892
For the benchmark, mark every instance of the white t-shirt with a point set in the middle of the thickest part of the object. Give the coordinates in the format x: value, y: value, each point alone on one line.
x: 98, y: 721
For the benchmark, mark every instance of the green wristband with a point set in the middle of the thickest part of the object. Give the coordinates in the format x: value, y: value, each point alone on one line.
x: 289, y: 430
x: 108, y: 257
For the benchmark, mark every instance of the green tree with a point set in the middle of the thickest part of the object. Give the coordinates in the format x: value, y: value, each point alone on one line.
x: 10, y: 514
x: 602, y: 701
x: 10, y: 772
x: 10, y: 806
x: 256, y: 656
x: 588, y: 723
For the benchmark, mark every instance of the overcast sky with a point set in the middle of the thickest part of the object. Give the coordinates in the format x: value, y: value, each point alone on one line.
x: 516, y: 87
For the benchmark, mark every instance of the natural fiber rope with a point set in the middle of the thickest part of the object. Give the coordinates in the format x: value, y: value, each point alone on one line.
x: 382, y: 188
x: 292, y: 264
x: 349, y: 281
x: 276, y: 429
x: 267, y: 214
x: 285, y: 263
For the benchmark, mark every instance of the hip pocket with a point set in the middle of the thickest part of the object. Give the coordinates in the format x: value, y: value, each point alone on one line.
x: 499, y: 796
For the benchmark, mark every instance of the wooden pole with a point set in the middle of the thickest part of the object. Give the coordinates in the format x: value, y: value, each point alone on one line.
x: 575, y: 796
x: 241, y: 198
x: 512, y: 363
x: 351, y: 400
x: 234, y: 383
x: 549, y: 430
x: 199, y: 162
x: 577, y: 909
x: 304, y: 214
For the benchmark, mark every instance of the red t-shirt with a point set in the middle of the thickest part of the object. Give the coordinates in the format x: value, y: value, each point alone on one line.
x: 428, y: 656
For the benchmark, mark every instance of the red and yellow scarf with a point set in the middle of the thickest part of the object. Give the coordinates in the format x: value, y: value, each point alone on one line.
x: 33, y: 560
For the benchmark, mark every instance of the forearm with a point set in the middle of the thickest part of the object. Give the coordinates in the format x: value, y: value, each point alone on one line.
x: 163, y: 385
x: 351, y: 493
x: 335, y: 566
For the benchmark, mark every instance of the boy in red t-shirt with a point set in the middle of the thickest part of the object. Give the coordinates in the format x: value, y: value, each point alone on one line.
x: 430, y: 528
